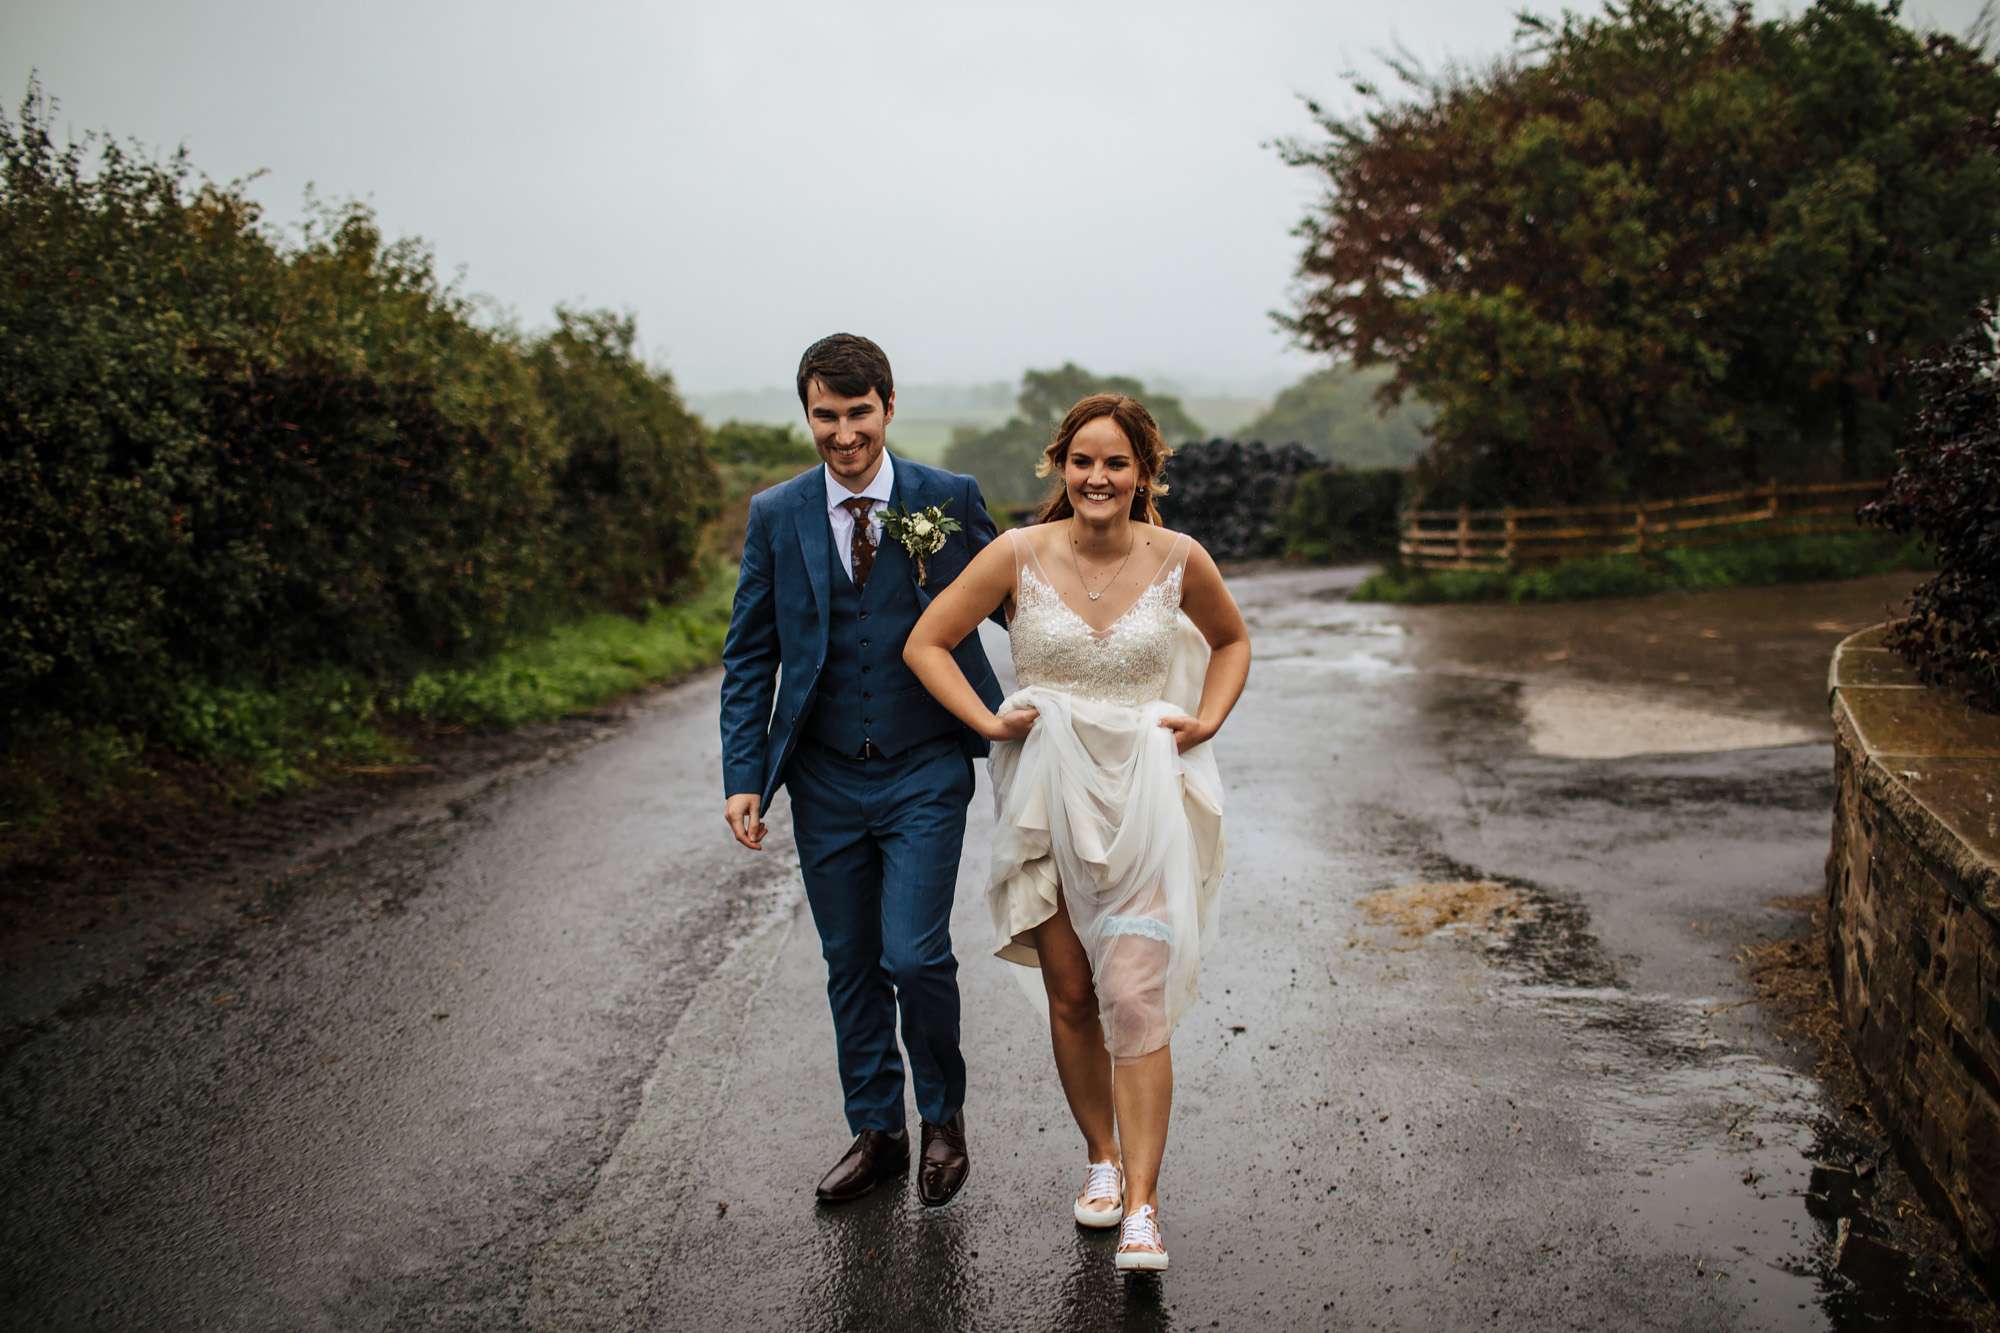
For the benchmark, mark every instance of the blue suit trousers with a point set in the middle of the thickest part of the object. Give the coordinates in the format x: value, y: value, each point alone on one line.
x: 879, y: 844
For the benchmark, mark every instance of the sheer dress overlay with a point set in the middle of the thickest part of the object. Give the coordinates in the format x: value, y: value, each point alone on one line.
x: 1097, y: 806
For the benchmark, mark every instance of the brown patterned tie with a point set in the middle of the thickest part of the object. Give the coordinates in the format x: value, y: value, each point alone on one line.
x: 862, y: 549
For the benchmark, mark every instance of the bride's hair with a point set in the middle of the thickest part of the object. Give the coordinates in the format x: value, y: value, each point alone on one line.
x: 1149, y: 450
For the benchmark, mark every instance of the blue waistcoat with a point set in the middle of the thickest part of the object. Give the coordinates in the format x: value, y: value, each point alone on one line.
x: 865, y: 691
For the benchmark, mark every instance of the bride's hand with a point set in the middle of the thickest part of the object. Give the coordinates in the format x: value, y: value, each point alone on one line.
x: 1013, y: 725
x: 1188, y: 731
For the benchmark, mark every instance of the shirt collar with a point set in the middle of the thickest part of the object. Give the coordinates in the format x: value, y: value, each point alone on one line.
x: 881, y: 490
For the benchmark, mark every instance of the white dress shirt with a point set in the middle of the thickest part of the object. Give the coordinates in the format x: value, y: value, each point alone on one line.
x: 879, y: 490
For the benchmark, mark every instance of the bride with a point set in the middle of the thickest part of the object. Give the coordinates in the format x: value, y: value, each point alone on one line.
x: 1129, y: 653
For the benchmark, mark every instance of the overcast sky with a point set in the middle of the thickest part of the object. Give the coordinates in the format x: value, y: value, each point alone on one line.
x: 980, y: 190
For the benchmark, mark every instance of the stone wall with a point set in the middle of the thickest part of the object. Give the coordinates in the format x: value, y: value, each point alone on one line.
x: 1913, y: 910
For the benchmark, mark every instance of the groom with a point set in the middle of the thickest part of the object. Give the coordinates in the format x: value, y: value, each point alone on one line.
x: 815, y: 697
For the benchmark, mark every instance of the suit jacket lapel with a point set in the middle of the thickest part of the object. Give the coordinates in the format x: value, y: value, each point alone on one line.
x: 816, y: 544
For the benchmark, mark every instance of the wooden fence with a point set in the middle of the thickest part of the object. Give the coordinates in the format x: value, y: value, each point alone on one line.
x: 1511, y: 538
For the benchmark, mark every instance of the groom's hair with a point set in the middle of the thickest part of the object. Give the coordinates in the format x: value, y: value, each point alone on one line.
x: 848, y: 364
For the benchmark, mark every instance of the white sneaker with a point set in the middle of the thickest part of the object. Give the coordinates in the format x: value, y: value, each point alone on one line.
x: 1141, y: 1229
x: 1105, y: 1182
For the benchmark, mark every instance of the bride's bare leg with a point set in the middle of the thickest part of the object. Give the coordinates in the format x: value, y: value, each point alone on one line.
x: 1144, y: 1092
x: 1131, y: 988
x: 1082, y: 1062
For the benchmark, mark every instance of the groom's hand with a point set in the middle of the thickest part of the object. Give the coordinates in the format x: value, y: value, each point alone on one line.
x: 744, y: 821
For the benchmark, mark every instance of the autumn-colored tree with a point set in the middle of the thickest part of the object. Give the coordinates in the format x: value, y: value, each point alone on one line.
x: 1660, y: 247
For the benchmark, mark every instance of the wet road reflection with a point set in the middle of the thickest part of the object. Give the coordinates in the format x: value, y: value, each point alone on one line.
x: 1577, y: 1118
x: 582, y: 1076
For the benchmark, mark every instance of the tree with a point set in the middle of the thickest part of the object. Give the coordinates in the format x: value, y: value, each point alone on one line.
x: 1661, y: 247
x: 633, y: 464
x: 1947, y: 490
x: 231, y: 456
x: 760, y: 446
x: 1004, y: 458
x: 1886, y: 240
x: 1335, y: 414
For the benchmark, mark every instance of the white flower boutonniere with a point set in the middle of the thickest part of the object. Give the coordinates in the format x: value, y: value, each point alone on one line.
x: 922, y: 533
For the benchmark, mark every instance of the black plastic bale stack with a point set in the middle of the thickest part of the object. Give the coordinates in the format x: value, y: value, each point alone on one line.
x: 1230, y: 495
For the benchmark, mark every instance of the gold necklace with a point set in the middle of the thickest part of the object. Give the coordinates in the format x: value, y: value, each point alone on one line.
x: 1131, y: 545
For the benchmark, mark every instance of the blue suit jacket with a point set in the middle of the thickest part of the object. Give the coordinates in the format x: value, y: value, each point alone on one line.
x: 778, y: 627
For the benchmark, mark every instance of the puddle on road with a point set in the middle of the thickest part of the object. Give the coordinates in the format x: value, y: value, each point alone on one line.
x: 1313, y: 633
x: 1345, y: 664
x: 1341, y: 649
x: 1576, y: 722
x: 1561, y: 720
x: 1735, y: 1155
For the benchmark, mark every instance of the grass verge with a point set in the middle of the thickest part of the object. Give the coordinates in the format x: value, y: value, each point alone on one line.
x: 578, y: 665
x: 1744, y: 565
x: 241, y: 742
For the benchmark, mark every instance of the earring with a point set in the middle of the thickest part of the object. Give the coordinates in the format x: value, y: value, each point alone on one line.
x: 1142, y: 490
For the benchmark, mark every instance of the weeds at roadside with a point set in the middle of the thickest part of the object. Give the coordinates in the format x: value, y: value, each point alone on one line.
x: 1793, y: 984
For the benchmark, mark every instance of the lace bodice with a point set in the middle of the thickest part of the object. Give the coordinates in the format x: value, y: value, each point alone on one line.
x: 1124, y: 663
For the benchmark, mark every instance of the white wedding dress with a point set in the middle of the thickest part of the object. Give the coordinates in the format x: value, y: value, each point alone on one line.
x: 1096, y: 805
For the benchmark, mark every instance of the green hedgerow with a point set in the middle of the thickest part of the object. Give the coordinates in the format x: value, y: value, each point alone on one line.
x: 235, y: 457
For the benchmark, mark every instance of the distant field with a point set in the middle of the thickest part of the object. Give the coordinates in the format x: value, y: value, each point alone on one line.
x: 922, y: 438
x: 1223, y: 416
x: 929, y: 413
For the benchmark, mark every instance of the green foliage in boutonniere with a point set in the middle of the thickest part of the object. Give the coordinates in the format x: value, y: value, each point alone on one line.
x: 922, y: 533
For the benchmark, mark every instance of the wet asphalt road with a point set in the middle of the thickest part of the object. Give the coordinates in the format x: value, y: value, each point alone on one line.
x: 555, y: 1053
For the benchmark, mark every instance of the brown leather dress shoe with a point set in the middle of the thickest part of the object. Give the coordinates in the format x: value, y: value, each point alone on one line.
x: 874, y: 1156
x: 943, y: 1164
